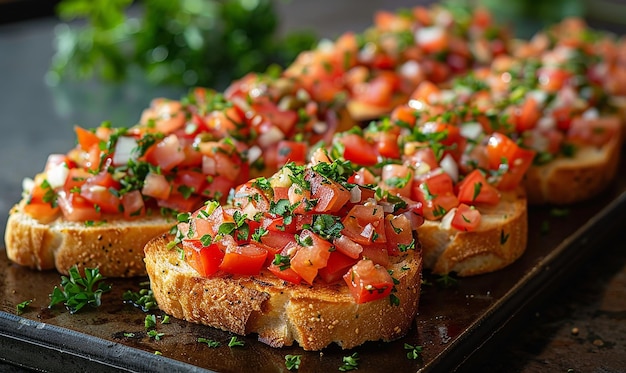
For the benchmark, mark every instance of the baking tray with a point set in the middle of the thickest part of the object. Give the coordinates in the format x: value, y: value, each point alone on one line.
x: 454, y: 324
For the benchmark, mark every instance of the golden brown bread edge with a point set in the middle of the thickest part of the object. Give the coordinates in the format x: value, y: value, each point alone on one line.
x: 279, y: 312
x: 114, y: 247
x: 500, y: 239
x: 565, y: 181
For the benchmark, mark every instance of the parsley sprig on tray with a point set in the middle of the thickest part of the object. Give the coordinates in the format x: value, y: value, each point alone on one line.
x: 76, y: 291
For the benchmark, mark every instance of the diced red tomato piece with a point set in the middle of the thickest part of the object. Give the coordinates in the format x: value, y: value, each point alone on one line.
x: 157, y: 186
x: 330, y: 195
x: 336, y: 267
x: 348, y: 247
x: 204, y: 259
x: 474, y: 188
x: 466, y: 218
x: 313, y: 252
x: 435, y: 191
x: 399, y: 233
x: 368, y: 282
x: 167, y: 153
x: 364, y: 224
x: 133, y: 204
x: 244, y: 259
x: 76, y: 208
x: 503, y: 152
x: 358, y: 150
x: 291, y: 151
x: 86, y: 139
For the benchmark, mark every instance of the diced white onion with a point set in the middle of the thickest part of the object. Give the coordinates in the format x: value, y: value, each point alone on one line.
x: 124, y: 150
x: 591, y: 113
x: 28, y: 184
x: 271, y: 137
x: 449, y: 166
x: 446, y: 221
x: 410, y: 69
x: 471, y: 130
x: 427, y: 35
x: 387, y: 207
x: 546, y: 123
x: 539, y: 96
x: 355, y: 194
x: 57, y: 175
x: 320, y: 127
x: 254, y: 153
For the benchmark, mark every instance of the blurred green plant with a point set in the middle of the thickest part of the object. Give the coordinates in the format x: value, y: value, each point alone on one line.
x: 172, y: 42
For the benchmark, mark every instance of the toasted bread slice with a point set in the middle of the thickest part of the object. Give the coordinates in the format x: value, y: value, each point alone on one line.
x: 570, y: 180
x: 280, y: 312
x: 499, y: 240
x: 115, y: 247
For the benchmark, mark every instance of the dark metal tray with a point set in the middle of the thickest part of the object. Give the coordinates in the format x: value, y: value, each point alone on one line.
x: 454, y: 323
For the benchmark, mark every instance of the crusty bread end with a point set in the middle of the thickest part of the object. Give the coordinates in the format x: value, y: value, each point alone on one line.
x: 114, y: 247
x: 499, y: 240
x: 279, y: 312
x: 565, y: 181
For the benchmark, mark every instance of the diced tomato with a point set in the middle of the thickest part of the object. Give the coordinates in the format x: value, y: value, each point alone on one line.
x: 218, y: 188
x: 426, y: 92
x: 397, y: 179
x: 466, y: 218
x: 167, y: 153
x: 204, y: 259
x: 330, y: 195
x: 474, y: 188
x: 399, y: 233
x: 285, y: 120
x: 76, y: 208
x: 358, y: 150
x: 420, y: 156
x: 76, y: 178
x: 336, y: 267
x: 244, y: 260
x: 505, y: 155
x: 277, y: 224
x: 368, y: 282
x: 552, y: 79
x: 157, y: 186
x: 404, y: 115
x: 432, y: 39
x: 193, y: 156
x: 86, y: 139
x: 596, y: 131
x: 435, y: 191
x: 291, y: 151
x: 193, y: 181
x: 285, y: 273
x: 364, y: 224
x: 377, y: 253
x: 166, y: 115
x: 101, y: 190
x: 313, y: 252
x: 179, y: 202
x: 379, y: 90
x: 277, y: 240
x: 133, y: 204
x: 527, y: 115
x: 362, y: 176
x: 42, y: 211
x: 348, y: 247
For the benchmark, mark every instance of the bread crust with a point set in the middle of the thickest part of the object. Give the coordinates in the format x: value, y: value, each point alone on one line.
x: 499, y: 240
x: 565, y: 181
x: 279, y: 312
x: 114, y: 247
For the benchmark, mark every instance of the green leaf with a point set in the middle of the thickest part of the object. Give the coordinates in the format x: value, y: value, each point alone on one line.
x: 77, y: 291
